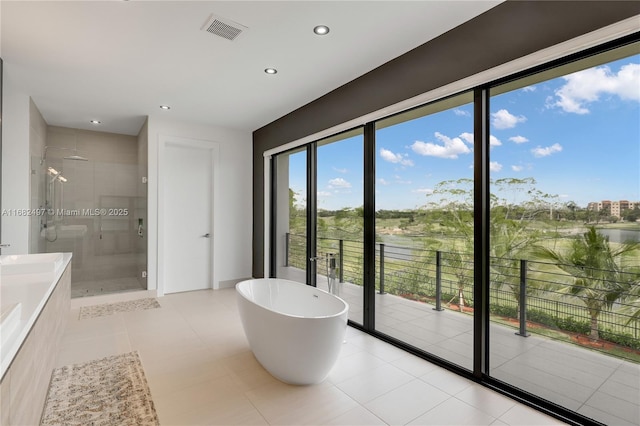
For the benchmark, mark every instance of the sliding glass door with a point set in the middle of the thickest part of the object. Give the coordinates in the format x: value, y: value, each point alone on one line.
x: 339, y: 218
x: 565, y: 236
x: 290, y: 220
x: 495, y: 232
x: 319, y: 216
x: 424, y: 228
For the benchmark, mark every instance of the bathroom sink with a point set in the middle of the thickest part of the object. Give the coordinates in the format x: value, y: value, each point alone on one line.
x: 30, y: 263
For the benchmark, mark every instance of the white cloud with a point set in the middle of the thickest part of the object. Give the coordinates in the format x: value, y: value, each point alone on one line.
x: 423, y: 191
x: 450, y: 148
x: 468, y: 138
x: 338, y: 183
x: 324, y: 194
x: 518, y: 139
x: 461, y: 113
x: 382, y: 181
x: 517, y: 168
x: 503, y: 119
x: 546, y: 151
x: 395, y: 158
x: 584, y: 87
x: 494, y: 166
x: 343, y: 171
x: 529, y: 89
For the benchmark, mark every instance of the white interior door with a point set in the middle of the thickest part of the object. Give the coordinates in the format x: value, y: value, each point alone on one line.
x: 188, y: 218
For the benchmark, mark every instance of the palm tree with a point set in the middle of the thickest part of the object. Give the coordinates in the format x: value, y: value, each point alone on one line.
x: 597, y: 272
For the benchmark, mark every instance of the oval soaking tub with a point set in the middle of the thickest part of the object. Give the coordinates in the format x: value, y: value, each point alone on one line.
x: 294, y: 330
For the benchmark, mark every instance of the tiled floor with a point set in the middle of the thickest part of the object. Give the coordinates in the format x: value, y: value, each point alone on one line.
x: 201, y: 371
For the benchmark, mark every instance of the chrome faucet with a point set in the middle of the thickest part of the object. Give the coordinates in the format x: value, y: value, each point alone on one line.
x: 331, y: 274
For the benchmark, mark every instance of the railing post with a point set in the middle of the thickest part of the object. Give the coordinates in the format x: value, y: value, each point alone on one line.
x: 382, y: 269
x: 341, y: 250
x: 523, y: 299
x: 438, y: 281
x: 287, y: 236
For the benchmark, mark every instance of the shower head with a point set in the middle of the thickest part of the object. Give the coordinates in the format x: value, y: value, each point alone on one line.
x: 76, y: 158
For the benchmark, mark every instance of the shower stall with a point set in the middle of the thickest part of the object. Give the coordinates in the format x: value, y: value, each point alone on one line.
x: 91, y: 199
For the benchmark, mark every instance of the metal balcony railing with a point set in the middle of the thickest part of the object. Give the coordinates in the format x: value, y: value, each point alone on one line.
x: 527, y: 291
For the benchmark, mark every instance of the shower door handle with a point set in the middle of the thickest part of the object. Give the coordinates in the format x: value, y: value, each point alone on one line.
x: 207, y: 235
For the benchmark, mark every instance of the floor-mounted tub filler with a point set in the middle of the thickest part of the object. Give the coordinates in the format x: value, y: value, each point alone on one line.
x: 294, y: 330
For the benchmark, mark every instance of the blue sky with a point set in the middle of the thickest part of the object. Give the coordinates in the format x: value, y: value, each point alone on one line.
x: 578, y: 136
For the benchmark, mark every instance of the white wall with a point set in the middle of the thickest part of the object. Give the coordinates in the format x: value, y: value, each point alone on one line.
x: 233, y: 202
x: 15, y: 165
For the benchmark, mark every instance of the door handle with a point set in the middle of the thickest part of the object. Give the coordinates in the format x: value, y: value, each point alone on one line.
x: 207, y: 235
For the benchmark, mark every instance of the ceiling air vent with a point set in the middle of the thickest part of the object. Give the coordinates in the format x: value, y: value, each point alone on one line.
x: 223, y: 27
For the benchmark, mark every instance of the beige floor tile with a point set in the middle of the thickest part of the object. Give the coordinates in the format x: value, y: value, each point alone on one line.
x: 167, y: 375
x: 366, y: 386
x: 407, y: 402
x: 157, y: 350
x: 225, y: 411
x: 282, y: 404
x: 414, y: 365
x: 358, y: 416
x: 78, y: 329
x: 378, y: 348
x: 352, y: 365
x: 188, y: 399
x: 454, y: 412
x: 447, y: 381
x: 486, y: 400
x: 99, y: 346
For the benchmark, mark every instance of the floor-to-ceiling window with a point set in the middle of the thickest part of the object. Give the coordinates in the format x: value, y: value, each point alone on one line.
x: 319, y: 240
x: 565, y: 236
x: 504, y: 235
x: 290, y: 236
x: 339, y: 215
x: 424, y: 228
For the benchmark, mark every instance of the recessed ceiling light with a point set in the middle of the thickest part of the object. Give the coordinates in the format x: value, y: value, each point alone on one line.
x: 165, y: 107
x: 321, y: 30
x: 96, y: 122
x: 270, y: 70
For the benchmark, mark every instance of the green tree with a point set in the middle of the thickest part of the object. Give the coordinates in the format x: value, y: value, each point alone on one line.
x: 597, y: 272
x: 513, y: 206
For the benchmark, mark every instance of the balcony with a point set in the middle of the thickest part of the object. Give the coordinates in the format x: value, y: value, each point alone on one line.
x: 539, y: 331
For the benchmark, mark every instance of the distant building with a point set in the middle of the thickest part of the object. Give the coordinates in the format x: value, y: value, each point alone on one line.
x: 615, y: 208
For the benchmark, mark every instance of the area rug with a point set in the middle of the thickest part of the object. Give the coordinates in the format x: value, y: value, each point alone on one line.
x: 112, y: 308
x: 111, y: 391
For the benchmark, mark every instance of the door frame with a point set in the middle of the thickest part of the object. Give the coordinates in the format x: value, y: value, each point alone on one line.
x: 214, y: 150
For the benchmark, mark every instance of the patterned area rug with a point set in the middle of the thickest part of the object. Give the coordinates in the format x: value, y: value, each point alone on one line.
x: 111, y: 391
x: 112, y: 308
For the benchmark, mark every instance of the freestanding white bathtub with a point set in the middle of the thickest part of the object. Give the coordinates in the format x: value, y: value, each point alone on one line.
x: 294, y: 330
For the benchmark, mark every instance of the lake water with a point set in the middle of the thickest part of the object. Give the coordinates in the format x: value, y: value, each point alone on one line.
x: 621, y: 235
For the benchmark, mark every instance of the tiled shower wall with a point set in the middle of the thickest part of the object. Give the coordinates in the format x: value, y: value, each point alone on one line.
x: 106, y: 247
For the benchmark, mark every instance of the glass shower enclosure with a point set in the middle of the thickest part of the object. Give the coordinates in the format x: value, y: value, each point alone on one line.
x: 92, y: 193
